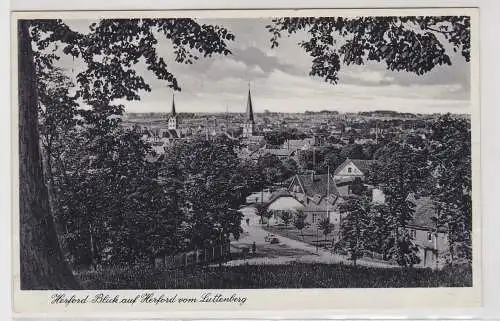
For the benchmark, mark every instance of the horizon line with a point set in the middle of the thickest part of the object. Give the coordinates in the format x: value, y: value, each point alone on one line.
x: 306, y: 111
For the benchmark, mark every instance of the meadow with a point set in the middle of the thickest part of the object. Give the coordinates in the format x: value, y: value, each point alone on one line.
x: 274, y: 276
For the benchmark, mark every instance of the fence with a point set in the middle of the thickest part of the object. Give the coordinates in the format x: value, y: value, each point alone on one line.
x: 217, y: 253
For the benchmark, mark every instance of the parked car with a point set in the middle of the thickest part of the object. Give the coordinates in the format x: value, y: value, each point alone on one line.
x: 274, y: 240
x: 269, y: 237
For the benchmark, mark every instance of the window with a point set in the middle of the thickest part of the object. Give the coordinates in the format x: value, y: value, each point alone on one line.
x: 429, y: 236
x: 349, y: 170
x: 314, y: 218
x: 413, y: 233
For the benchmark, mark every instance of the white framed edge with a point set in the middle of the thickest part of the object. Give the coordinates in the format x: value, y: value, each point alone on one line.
x: 263, y: 302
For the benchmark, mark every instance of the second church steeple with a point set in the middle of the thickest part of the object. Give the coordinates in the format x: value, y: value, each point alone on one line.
x: 249, y: 124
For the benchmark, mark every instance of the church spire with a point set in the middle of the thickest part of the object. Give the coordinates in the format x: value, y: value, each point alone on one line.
x: 173, y: 113
x: 249, y: 106
x: 249, y: 124
x: 172, y: 120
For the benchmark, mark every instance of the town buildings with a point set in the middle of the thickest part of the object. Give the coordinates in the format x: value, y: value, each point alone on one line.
x: 319, y: 197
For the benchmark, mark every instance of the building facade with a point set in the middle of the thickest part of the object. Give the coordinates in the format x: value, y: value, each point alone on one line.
x: 352, y: 168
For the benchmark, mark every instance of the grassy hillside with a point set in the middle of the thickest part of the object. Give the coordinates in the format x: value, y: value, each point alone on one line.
x: 275, y: 276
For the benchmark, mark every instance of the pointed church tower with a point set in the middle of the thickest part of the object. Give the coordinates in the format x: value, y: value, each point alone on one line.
x: 172, y: 120
x: 249, y: 124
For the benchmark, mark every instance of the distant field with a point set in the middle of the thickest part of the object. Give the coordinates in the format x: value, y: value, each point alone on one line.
x: 275, y: 276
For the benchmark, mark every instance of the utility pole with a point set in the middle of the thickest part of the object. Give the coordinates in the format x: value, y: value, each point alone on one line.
x: 314, y: 158
x: 328, y: 193
x: 317, y: 239
x: 206, y: 126
x: 227, y: 119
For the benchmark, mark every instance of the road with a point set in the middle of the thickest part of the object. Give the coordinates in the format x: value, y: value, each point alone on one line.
x: 287, y: 251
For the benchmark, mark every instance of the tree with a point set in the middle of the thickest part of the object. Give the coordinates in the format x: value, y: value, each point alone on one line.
x: 290, y: 168
x: 357, y: 187
x: 413, y: 44
x: 286, y: 217
x: 263, y: 212
x: 355, y: 232
x: 42, y: 263
x: 300, y: 221
x: 450, y: 152
x: 57, y: 111
x: 272, y: 169
x: 214, y: 186
x: 121, y: 43
x: 402, y: 171
x: 325, y: 227
x: 379, y: 239
x: 353, y: 151
x: 330, y: 159
x: 278, y: 137
x: 112, y: 209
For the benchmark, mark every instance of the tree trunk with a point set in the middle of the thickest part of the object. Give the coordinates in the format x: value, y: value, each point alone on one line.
x: 41, y: 259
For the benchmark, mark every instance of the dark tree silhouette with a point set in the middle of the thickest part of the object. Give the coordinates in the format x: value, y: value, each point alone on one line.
x: 42, y: 263
x: 413, y: 44
x: 121, y: 43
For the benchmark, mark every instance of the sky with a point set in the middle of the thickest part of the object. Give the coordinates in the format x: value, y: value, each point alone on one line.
x: 280, y: 82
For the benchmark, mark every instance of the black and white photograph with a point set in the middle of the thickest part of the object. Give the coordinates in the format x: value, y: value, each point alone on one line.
x: 266, y: 152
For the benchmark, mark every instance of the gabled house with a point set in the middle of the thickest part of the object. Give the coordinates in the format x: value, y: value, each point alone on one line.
x: 431, y: 239
x: 280, y: 202
x: 311, y: 194
x: 318, y: 194
x: 352, y: 168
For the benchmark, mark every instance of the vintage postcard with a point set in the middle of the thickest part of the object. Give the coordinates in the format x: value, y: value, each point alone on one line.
x: 245, y: 160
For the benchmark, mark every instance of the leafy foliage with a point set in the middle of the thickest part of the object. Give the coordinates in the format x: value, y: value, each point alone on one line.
x: 278, y: 137
x: 112, y: 210
x: 213, y: 185
x: 355, y: 231
x: 286, y: 217
x: 111, y: 207
x: 402, y: 171
x: 325, y: 226
x: 273, y: 170
x: 263, y: 212
x: 112, y: 48
x: 300, y: 221
x: 414, y: 44
x: 452, y: 183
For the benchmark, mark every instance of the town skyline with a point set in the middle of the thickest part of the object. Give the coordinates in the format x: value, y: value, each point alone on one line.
x: 264, y: 109
x: 280, y: 80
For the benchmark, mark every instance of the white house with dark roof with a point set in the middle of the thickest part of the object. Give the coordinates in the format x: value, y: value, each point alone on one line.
x: 352, y: 168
